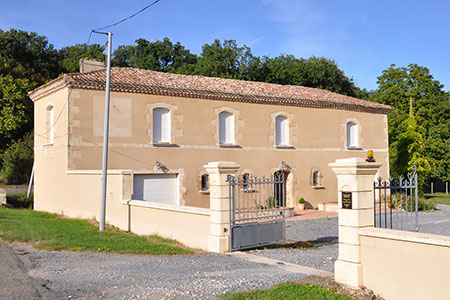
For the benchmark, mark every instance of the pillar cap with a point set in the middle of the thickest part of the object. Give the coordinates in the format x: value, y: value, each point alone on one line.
x: 223, y: 166
x: 354, y: 165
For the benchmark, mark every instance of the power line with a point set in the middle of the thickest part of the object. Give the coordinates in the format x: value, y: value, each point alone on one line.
x: 127, y: 18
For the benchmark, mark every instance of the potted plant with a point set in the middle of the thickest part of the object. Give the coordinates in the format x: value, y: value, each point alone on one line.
x: 301, y: 203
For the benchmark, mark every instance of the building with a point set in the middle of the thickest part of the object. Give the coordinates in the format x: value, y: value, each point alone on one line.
x: 165, y: 127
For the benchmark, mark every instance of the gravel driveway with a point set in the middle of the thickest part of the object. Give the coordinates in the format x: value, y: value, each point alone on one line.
x: 75, y: 275
x: 112, y: 276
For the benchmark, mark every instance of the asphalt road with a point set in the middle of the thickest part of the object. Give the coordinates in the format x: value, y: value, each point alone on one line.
x: 15, y: 283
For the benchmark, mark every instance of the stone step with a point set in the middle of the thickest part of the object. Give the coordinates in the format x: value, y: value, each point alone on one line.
x: 329, y: 206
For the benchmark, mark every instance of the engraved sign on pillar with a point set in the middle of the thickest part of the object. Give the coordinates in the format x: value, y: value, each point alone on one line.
x: 347, y: 200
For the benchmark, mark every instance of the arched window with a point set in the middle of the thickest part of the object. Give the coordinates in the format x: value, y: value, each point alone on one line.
x: 316, y: 178
x: 226, y: 128
x: 352, y: 135
x: 282, y: 131
x: 245, y: 181
x: 161, y: 125
x: 49, y: 124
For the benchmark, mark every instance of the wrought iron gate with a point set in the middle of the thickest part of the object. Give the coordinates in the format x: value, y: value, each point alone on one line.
x: 257, y: 210
x: 396, y: 203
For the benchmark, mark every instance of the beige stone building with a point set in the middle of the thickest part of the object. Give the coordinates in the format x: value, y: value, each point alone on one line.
x: 165, y: 127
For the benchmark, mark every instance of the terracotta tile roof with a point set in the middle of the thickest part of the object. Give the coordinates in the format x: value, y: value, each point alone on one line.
x: 131, y: 80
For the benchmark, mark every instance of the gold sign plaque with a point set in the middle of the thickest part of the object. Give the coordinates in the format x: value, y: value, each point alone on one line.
x: 347, y: 200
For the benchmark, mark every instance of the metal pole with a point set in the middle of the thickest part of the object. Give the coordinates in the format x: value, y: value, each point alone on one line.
x: 432, y: 188
x: 31, y: 181
x: 105, y: 137
x: 446, y: 187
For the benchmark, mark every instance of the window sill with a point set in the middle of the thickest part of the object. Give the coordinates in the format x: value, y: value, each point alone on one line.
x: 354, y: 148
x: 284, y: 147
x: 317, y: 187
x: 169, y: 145
x: 229, y: 146
x: 204, y: 192
x: 47, y: 145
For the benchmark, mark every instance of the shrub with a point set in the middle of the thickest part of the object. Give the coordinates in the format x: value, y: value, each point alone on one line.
x: 20, y: 200
x: 271, y: 202
x: 301, y: 200
x: 17, y: 161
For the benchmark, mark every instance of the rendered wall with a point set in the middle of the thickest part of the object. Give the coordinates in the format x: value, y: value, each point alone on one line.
x: 189, y: 226
x: 401, y: 265
x: 318, y: 137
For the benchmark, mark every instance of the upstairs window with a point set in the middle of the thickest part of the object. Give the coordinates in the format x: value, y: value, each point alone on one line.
x: 49, y: 124
x: 161, y: 125
x: 282, y: 131
x: 352, y: 135
x: 226, y: 128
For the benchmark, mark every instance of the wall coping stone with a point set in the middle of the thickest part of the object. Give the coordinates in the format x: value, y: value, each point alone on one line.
x: 407, y: 236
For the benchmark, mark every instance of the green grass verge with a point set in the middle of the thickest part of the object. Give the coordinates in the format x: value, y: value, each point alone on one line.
x: 287, y: 291
x: 439, y: 198
x: 51, y: 232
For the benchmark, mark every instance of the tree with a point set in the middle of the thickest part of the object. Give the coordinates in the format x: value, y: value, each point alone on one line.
x: 16, y: 108
x: 70, y: 56
x: 28, y: 55
x: 431, y: 104
x: 409, y: 152
x: 225, y: 60
x: 161, y: 56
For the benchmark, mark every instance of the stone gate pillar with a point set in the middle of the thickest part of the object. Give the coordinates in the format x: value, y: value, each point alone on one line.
x: 219, y: 234
x: 355, y: 179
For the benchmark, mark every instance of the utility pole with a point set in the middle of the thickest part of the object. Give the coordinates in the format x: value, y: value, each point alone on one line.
x: 105, y: 134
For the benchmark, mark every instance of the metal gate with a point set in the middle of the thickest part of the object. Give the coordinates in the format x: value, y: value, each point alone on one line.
x: 257, y: 210
x: 396, y: 203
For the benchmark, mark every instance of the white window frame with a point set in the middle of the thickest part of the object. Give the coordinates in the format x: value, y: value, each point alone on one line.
x: 281, y: 131
x: 352, y: 134
x: 227, y: 128
x: 162, y: 125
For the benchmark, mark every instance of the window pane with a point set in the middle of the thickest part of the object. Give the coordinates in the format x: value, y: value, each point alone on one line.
x: 205, y: 185
x: 352, y: 135
x: 281, y: 130
x: 161, y: 125
x: 226, y: 128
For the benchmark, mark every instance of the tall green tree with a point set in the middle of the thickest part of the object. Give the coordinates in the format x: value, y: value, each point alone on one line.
x: 163, y: 56
x: 28, y: 55
x: 70, y: 56
x: 16, y: 108
x: 431, y: 105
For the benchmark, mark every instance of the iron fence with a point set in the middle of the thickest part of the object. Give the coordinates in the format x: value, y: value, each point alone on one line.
x: 396, y: 203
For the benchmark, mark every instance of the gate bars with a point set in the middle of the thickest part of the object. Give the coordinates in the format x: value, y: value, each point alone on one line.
x: 257, y: 200
x: 397, y: 204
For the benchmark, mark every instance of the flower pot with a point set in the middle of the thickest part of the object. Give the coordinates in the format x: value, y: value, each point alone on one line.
x: 301, y: 206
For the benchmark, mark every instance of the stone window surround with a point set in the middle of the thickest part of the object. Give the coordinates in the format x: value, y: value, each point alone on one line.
x: 290, y: 138
x: 49, y: 128
x: 174, y: 120
x: 237, y: 124
x: 319, y: 179
x: 360, y: 140
x: 199, y: 175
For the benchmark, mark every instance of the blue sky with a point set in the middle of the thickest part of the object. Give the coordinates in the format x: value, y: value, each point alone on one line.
x: 363, y: 37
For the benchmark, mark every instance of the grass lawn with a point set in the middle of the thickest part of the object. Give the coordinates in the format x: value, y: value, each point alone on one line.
x: 52, y: 232
x: 440, y: 198
x: 288, y: 291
